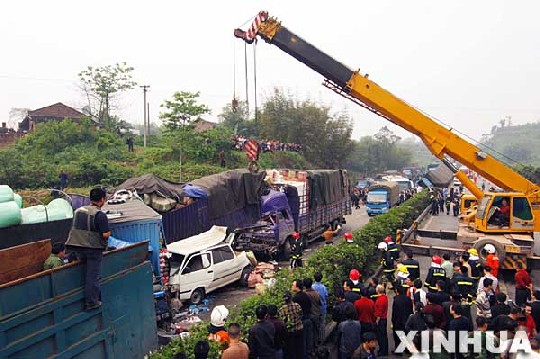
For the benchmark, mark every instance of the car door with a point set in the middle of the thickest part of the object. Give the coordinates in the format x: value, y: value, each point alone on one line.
x: 226, y: 268
x: 197, y: 273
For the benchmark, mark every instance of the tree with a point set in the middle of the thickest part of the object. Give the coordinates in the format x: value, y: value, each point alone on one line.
x: 101, y: 84
x: 182, y: 110
x: 237, y: 120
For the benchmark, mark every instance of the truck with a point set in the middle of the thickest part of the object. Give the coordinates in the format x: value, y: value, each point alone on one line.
x: 381, y: 197
x: 264, y: 208
x: 512, y: 238
x: 42, y: 315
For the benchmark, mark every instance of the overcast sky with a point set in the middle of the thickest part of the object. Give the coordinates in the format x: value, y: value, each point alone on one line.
x: 467, y: 63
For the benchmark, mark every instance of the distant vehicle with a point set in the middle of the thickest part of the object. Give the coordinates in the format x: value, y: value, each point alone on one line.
x: 205, y: 262
x: 408, y: 173
x: 403, y: 182
x: 381, y: 197
x: 363, y: 183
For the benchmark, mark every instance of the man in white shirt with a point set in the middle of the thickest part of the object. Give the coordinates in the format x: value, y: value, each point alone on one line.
x: 487, y: 274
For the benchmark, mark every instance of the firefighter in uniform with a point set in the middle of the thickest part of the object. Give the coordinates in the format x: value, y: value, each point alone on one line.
x: 387, y: 262
x: 354, y: 276
x: 392, y: 248
x: 464, y: 284
x: 476, y: 266
x: 296, y: 250
x: 412, y: 266
x: 435, y: 273
x: 492, y: 260
x: 402, y: 275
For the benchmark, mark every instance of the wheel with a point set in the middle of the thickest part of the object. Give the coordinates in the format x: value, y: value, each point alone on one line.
x: 480, y: 244
x: 197, y: 296
x: 245, y: 275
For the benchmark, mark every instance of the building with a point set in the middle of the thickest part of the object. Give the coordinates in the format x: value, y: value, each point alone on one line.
x: 56, y: 112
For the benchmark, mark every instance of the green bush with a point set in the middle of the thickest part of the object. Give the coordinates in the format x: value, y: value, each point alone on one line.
x: 334, y: 262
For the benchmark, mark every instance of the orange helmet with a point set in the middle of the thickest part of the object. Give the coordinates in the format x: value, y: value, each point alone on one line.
x: 296, y: 235
x: 347, y: 236
x: 388, y: 239
x: 436, y: 259
x: 354, y: 274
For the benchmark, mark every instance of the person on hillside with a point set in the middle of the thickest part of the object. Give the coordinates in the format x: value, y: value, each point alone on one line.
x: 56, y: 259
x: 222, y: 159
x: 88, y: 238
x: 63, y: 178
x: 237, y: 349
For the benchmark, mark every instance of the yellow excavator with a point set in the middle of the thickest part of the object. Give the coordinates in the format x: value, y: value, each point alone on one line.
x: 506, y: 220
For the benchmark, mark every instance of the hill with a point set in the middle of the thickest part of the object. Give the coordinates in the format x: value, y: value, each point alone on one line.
x: 518, y: 143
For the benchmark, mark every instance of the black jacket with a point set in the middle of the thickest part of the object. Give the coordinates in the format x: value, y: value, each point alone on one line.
x: 413, y: 266
x: 402, y: 308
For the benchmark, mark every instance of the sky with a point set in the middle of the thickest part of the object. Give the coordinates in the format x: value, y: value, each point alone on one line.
x: 467, y: 63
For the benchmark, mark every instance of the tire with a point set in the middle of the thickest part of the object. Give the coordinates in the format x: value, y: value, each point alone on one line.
x: 245, y: 275
x: 197, y: 296
x: 480, y: 244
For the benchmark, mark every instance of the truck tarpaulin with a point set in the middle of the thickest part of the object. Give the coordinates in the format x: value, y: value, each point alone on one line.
x: 149, y: 183
x: 231, y: 190
x: 326, y: 187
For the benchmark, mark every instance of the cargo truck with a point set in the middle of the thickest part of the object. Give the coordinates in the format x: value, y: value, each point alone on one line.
x: 381, y: 197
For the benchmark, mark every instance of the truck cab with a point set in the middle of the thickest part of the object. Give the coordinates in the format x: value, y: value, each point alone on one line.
x: 504, y: 213
x: 381, y: 197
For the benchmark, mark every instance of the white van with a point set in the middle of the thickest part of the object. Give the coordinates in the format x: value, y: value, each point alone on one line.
x: 204, y: 263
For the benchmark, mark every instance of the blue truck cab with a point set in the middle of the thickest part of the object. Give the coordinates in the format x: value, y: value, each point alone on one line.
x: 381, y: 197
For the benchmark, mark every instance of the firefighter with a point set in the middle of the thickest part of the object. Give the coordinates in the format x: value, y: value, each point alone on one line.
x: 465, y: 286
x: 492, y: 260
x: 296, y: 250
x: 392, y: 248
x: 476, y: 266
x: 348, y: 237
x: 402, y: 276
x: 412, y: 265
x: 435, y: 273
x: 387, y: 262
x: 354, y: 276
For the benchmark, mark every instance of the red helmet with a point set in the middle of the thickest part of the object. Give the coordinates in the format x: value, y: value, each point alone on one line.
x: 296, y: 235
x: 436, y: 259
x: 388, y: 239
x: 347, y: 236
x: 354, y: 274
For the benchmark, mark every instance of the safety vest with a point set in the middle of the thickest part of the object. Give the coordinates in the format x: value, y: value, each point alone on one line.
x: 83, y: 231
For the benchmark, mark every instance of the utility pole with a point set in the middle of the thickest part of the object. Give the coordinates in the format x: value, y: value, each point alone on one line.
x: 145, y: 88
x: 148, y: 116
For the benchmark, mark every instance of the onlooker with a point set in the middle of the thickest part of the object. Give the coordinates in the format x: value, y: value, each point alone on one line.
x: 338, y: 314
x: 435, y: 310
x: 261, y: 336
x: 367, y: 349
x: 459, y: 323
x: 350, y: 295
x: 291, y: 313
x: 401, y: 310
x: 280, y: 338
x: 201, y: 349
x: 535, y: 308
x: 416, y: 321
x: 487, y: 274
x: 323, y: 293
x: 523, y: 284
x: 500, y: 306
x: 365, y: 309
x: 381, y: 313
x: 64, y: 178
x: 88, y: 238
x: 447, y: 265
x: 349, y: 334
x: 56, y: 259
x: 483, y: 308
x: 315, y: 314
x: 236, y: 349
x: 416, y: 293
x: 305, y: 302
x: 528, y: 323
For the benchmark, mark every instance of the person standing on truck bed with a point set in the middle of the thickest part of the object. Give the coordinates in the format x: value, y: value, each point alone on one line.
x: 88, y: 238
x: 56, y: 259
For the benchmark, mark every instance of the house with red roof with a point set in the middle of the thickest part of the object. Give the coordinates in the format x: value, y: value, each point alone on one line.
x: 56, y: 112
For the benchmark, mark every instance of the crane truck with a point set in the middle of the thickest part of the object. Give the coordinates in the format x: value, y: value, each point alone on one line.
x: 513, y: 236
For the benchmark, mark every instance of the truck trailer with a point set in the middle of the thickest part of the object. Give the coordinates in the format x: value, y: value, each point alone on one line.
x: 381, y: 197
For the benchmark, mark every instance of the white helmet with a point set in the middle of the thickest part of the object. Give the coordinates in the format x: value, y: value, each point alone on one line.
x: 219, y: 315
x: 382, y: 245
x: 490, y: 248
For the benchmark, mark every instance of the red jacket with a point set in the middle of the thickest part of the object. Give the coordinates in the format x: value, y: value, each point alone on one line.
x: 381, y: 307
x: 365, y: 309
x: 493, y: 261
x: 522, y: 279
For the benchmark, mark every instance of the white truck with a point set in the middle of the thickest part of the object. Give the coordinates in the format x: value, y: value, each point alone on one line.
x: 204, y: 263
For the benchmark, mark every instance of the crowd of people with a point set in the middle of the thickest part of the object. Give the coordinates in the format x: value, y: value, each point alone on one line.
x: 265, y: 145
x: 438, y: 302
x: 447, y: 199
